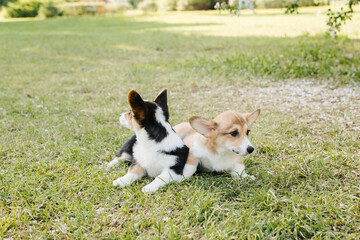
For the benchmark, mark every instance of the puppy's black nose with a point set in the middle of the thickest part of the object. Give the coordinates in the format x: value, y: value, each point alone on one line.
x: 250, y: 149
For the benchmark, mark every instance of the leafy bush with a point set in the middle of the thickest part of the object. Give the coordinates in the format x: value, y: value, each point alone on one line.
x: 23, y: 8
x: 171, y: 5
x: 134, y: 3
x: 148, y: 5
x: 200, y: 4
x: 73, y: 9
x: 181, y: 5
x: 285, y: 3
x: 292, y: 8
x: 49, y: 10
x: 5, y: 2
x: 167, y: 5
x: 337, y: 19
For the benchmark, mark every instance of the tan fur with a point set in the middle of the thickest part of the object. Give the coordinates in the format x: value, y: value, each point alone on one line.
x: 214, y: 134
x: 135, y: 101
x: 191, y: 160
x: 132, y: 121
x: 185, y: 131
x: 240, y: 161
x: 137, y: 169
x: 225, y: 123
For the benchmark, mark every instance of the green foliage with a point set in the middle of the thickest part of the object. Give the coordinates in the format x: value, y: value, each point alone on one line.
x: 200, y: 4
x: 74, y: 11
x: 23, y: 8
x: 310, y: 57
x: 225, y: 7
x: 171, y: 5
x: 5, y: 2
x: 337, y: 18
x: 167, y: 5
x: 148, y: 5
x: 292, y: 8
x: 134, y: 3
x: 286, y: 3
x: 49, y: 10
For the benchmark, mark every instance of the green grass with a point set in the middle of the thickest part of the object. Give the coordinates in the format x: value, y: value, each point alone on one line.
x: 64, y: 83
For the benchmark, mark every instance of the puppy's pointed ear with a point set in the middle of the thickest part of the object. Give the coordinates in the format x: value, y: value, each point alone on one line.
x: 251, y: 117
x: 137, y: 104
x: 202, y: 125
x: 161, y: 98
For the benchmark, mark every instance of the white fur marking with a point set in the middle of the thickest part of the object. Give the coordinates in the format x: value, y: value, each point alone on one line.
x: 126, y: 156
x: 189, y: 170
x: 239, y: 171
x: 113, y: 163
x: 242, y: 149
x: 125, y: 180
x: 124, y: 122
x: 164, y: 178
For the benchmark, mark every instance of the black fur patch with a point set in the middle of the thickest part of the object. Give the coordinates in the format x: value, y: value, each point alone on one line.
x: 127, y: 147
x: 154, y: 129
x: 181, y: 157
x: 161, y: 100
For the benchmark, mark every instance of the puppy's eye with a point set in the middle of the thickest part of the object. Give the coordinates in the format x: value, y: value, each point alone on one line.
x: 247, y: 132
x: 234, y: 133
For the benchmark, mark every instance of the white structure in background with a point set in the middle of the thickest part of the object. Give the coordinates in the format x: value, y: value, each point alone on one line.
x: 241, y: 4
x: 248, y: 3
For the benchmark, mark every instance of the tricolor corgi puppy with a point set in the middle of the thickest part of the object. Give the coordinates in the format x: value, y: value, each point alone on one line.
x: 219, y: 144
x: 155, y: 149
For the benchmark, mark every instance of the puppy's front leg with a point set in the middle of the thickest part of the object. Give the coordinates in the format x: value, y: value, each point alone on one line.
x: 239, y: 171
x: 125, y: 152
x: 123, y: 157
x: 134, y: 173
x: 190, y: 166
x: 165, y: 177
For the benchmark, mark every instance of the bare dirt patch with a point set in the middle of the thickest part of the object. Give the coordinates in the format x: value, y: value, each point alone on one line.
x: 312, y: 101
x: 307, y: 100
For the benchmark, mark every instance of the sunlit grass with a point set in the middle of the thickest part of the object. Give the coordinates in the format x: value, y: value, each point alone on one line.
x: 64, y: 83
x: 267, y: 23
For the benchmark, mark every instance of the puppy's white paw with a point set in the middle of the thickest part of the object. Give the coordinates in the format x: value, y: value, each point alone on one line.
x: 251, y: 177
x: 149, y: 189
x: 113, y: 163
x: 121, y: 182
x: 242, y: 175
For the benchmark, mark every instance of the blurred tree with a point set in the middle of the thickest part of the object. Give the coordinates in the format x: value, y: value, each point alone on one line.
x: 133, y: 3
x: 292, y: 7
x: 4, y: 2
x: 337, y: 19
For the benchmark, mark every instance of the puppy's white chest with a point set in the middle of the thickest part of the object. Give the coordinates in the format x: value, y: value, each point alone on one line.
x: 152, y: 160
x: 214, y: 162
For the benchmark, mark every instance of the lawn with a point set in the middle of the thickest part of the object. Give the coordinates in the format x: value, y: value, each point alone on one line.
x: 64, y: 83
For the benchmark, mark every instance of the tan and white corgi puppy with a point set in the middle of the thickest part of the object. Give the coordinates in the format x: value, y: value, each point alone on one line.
x: 155, y: 149
x: 219, y: 144
x: 215, y: 145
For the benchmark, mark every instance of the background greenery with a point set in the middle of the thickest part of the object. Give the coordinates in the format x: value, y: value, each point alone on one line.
x: 53, y: 8
x: 64, y: 83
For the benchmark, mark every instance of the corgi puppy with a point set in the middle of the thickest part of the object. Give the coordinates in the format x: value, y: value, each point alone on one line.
x: 155, y: 150
x: 219, y: 144
x: 215, y: 145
